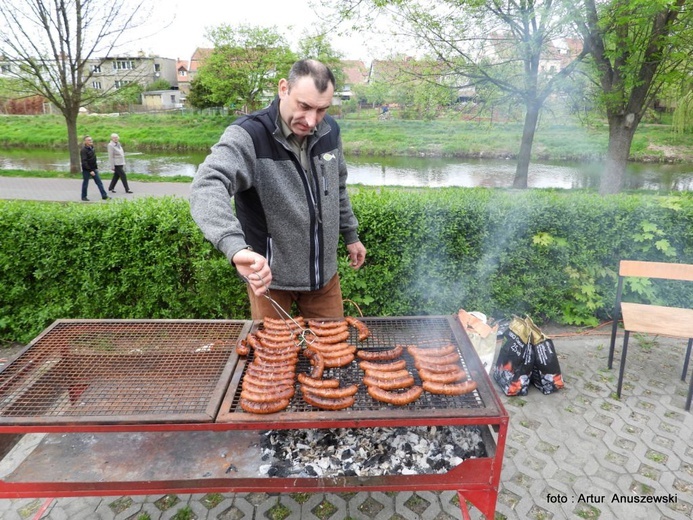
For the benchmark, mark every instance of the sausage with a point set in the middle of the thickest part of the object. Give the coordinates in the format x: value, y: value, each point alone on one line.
x: 440, y: 351
x: 267, y: 397
x: 278, y: 343
x: 361, y: 328
x: 440, y: 369
x: 383, y: 367
x: 329, y: 347
x: 396, y: 398
x: 442, y: 377
x: 328, y: 329
x: 332, y: 393
x: 262, y: 408
x: 284, y: 387
x: 345, y: 351
x: 389, y: 384
x: 326, y: 325
x: 438, y: 360
x: 269, y: 352
x: 326, y: 403
x: 275, y: 333
x: 252, y: 341
x: 276, y: 364
x: 281, y: 322
x: 269, y: 384
x: 335, y: 362
x: 449, y: 389
x: 317, y: 360
x: 242, y: 348
x: 306, y: 380
x: 380, y: 355
x: 330, y: 338
x: 393, y: 374
x: 269, y: 370
x: 289, y: 358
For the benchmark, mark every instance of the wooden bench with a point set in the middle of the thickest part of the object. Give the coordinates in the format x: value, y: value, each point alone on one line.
x: 652, y: 319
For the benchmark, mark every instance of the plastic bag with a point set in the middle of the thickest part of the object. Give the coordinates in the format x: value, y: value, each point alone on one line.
x: 513, y: 367
x: 481, y: 335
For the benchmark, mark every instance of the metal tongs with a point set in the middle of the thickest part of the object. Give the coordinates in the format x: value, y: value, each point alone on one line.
x: 304, y: 333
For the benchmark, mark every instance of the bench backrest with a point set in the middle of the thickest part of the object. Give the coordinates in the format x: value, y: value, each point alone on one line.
x: 664, y: 270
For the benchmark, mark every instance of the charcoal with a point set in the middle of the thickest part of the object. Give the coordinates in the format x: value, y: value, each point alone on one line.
x: 355, y: 452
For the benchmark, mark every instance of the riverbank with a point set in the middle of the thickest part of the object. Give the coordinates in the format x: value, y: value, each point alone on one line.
x: 442, y: 138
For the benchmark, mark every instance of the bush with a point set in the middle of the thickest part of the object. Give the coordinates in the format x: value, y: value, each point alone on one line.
x: 550, y: 254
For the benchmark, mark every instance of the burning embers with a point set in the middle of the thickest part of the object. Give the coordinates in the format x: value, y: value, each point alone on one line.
x: 367, y: 452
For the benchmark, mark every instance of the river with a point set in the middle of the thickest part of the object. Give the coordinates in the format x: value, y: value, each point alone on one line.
x: 399, y: 171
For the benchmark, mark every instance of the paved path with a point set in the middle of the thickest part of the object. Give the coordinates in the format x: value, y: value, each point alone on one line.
x: 69, y: 190
x: 575, y: 454
x: 572, y: 454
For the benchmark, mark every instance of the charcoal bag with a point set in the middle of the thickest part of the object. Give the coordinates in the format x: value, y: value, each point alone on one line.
x: 546, y: 371
x: 513, y: 367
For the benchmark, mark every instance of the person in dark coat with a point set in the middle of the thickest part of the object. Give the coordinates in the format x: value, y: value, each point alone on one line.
x: 90, y: 169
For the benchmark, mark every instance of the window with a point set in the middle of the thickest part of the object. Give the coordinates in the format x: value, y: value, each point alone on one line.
x: 5, y: 68
x: 123, y: 64
x: 96, y: 69
x: 157, y: 67
x: 120, y: 83
x: 182, y: 72
x: 173, y: 99
x: 96, y: 85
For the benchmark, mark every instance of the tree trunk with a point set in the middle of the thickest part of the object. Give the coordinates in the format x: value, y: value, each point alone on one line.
x: 523, y: 158
x: 73, y: 143
x: 621, y: 131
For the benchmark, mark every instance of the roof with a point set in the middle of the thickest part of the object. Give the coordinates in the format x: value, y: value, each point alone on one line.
x: 198, y: 57
x: 355, y: 72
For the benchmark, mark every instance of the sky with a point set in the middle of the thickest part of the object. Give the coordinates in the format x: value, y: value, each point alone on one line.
x: 188, y: 22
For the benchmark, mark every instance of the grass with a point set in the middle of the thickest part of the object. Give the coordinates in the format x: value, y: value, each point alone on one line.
x: 555, y: 139
x: 46, y: 174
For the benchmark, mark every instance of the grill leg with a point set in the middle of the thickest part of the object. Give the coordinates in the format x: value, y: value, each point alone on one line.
x: 623, y: 362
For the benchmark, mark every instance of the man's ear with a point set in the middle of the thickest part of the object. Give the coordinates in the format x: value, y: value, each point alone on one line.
x: 283, y: 88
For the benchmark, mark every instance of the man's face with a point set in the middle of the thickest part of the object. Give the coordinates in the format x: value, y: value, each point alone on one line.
x: 88, y: 141
x: 303, y: 107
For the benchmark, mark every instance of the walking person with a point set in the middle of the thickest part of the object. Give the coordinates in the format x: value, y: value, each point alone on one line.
x: 90, y: 168
x: 285, y: 170
x: 116, y: 160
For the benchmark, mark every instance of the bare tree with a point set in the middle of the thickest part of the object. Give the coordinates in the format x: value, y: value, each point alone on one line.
x: 51, y: 44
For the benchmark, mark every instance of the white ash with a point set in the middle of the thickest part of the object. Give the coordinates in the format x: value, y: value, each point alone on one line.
x: 368, y: 452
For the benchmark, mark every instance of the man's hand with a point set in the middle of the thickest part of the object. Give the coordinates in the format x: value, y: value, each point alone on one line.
x: 255, y: 269
x: 357, y: 254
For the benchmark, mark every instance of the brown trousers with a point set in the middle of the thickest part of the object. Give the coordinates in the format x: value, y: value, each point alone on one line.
x: 323, y: 303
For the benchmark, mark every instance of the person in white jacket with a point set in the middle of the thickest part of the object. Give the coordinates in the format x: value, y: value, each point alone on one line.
x: 116, y: 160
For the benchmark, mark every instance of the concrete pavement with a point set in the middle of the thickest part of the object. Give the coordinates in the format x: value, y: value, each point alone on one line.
x: 69, y: 190
x: 578, y: 453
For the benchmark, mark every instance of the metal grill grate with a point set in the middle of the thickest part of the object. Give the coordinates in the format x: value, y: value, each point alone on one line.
x: 112, y: 371
x: 385, y: 333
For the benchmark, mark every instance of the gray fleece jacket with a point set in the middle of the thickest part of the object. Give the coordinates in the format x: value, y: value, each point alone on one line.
x: 291, y: 216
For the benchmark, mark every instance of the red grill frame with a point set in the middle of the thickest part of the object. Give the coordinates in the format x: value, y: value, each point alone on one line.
x: 475, y: 480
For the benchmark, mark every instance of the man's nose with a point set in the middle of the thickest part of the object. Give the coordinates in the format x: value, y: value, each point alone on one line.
x: 312, y: 118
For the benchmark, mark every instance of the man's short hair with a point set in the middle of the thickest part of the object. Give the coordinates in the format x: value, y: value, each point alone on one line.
x: 321, y: 74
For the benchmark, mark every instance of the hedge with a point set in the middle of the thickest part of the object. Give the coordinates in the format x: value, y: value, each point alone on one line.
x: 550, y: 254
